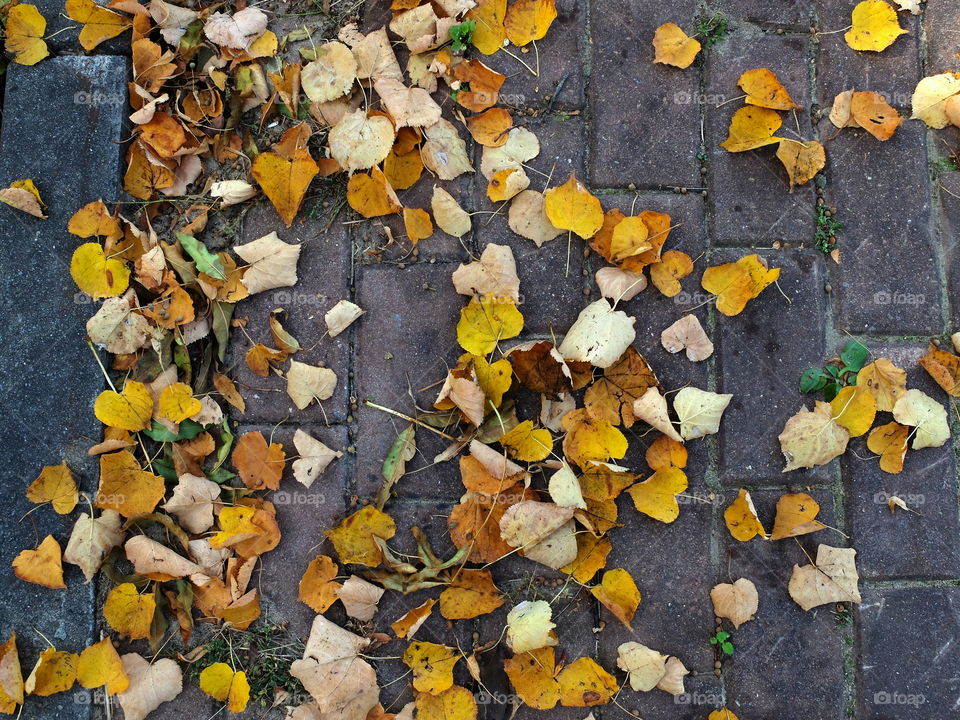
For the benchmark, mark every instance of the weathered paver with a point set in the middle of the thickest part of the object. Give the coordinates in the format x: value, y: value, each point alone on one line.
x: 645, y: 117
x: 749, y: 197
x: 785, y: 14
x: 904, y: 545
x: 760, y: 361
x: 913, y: 674
x: 42, y: 343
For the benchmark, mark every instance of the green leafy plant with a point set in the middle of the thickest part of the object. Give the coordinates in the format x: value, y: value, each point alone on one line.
x: 837, y: 373
x: 461, y: 35
x: 827, y: 229
x: 713, y: 29
x: 722, y: 641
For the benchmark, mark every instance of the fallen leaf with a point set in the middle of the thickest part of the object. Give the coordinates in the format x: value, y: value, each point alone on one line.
x: 449, y: 216
x: 99, y: 665
x: 802, y: 159
x: 11, y: 677
x: 885, y: 381
x: 618, y: 285
x: 572, y: 207
x: 41, y: 566
x: 735, y: 284
x: 151, y: 685
x: 99, y: 24
x: 528, y: 20
x: 222, y: 683
x: 741, y: 519
x: 600, y: 335
x: 926, y: 415
x: 23, y: 196
x: 589, y: 439
x: 752, y: 128
x: 272, y: 263
x: 618, y: 593
x: 359, y: 141
x: 875, y: 26
x: 314, y: 457
x: 699, y: 411
x: 487, y: 320
x: 158, y: 562
x: 317, y: 588
x: 764, y: 89
x: 528, y: 444
x: 96, y: 274
x: 737, y: 602
x: 890, y: 443
x: 645, y: 668
x: 192, y: 502
x: 306, y: 383
x: 431, y: 665
x: 944, y: 368
x: 353, y: 538
x: 687, y: 334
x: 854, y: 408
x: 931, y: 96
x: 126, y: 487
x: 130, y: 613
x: 471, y: 593
x: 55, y: 672
x: 489, y: 34
x: 55, y: 485
x: 796, y: 515
x: 530, y: 626
x: 259, y: 465
x: 444, y: 151
x: 833, y: 579
x: 672, y: 46
x: 341, y: 316
x: 583, y: 683
x: 454, y: 702
x: 532, y: 675
x: 652, y: 409
x: 91, y: 539
x: 656, y: 496
x: 407, y: 626
x: 812, y: 437
x: 331, y: 75
x: 24, y: 32
x: 359, y: 598
x: 371, y: 194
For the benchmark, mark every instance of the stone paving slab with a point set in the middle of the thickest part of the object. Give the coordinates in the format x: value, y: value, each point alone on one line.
x: 42, y: 345
x: 915, y: 676
x: 785, y: 14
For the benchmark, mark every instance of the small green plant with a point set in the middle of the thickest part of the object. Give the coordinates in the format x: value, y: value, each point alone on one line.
x: 713, y: 29
x: 722, y: 641
x: 461, y: 35
x: 838, y: 373
x: 827, y: 229
x: 945, y: 165
x: 842, y: 616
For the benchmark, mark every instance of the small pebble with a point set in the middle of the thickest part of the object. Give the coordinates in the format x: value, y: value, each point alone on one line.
x: 401, y: 265
x: 777, y: 244
x: 586, y: 252
x: 683, y: 191
x: 632, y: 186
x: 349, y: 418
x: 828, y: 288
x: 779, y: 31
x: 718, y: 665
x: 586, y: 291
x: 819, y: 201
x: 676, y: 191
x: 703, y: 192
x: 717, y: 673
x: 585, y: 273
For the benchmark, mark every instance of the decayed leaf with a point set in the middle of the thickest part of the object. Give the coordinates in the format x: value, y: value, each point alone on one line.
x: 619, y: 594
x: 444, y: 151
x: 24, y: 32
x: 599, y: 336
x: 156, y: 561
x: 11, y: 677
x: 359, y: 141
x: 341, y: 316
x: 867, y: 110
x: 272, y: 263
x: 644, y: 667
x: 99, y: 24
x: 41, y: 566
x: 317, y: 588
x: 931, y: 96
x: 583, y: 683
x: 528, y: 523
x: 359, y: 598
x: 672, y: 46
x: 572, y: 207
x: 409, y: 107
x: 331, y: 75
x: 259, y: 464
x: 832, y: 580
x: 55, y: 485
x: 528, y: 218
x: 495, y: 273
x: 487, y: 320
x: 885, y: 381
x: 737, y: 602
x: 342, y: 683
x: 672, y: 680
x: 151, y: 685
x: 741, y: 519
x: 875, y: 26
x: 91, y: 540
x: 890, y: 443
x: 751, y: 128
x: 927, y: 416
x: 617, y: 284
x: 407, y: 626
x: 944, y: 367
x: 432, y: 666
x: 353, y: 538
x: 652, y: 409
x: 23, y: 196
x: 796, y: 515
x: 687, y: 334
x: 764, y: 90
x: 699, y: 411
x: 314, y: 457
x: 528, y: 20
x: 530, y: 626
x: 55, y: 672
x: 449, y: 216
x: 306, y: 383
x: 564, y: 489
x: 812, y: 437
x: 192, y: 502
x: 656, y: 496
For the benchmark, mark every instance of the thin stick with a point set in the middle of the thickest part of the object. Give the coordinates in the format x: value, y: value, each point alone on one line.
x: 398, y: 414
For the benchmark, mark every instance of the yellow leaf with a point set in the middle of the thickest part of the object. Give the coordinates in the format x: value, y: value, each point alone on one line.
x: 490, y: 128
x: 890, y: 443
x: 764, y: 90
x: 493, y: 378
x: 528, y: 444
x: 100, y: 665
x: 532, y: 676
x: 489, y: 34
x: 583, y: 683
x: 592, y: 554
x: 528, y: 20
x: 285, y: 180
x: 99, y: 24
x: 130, y: 410
x: 353, y: 537
x: 401, y: 171
x: 530, y: 626
x: 619, y: 594
x: 666, y: 274
x: 406, y: 626
x: 56, y: 486
x: 885, y: 381
x: 24, y: 32
x: 735, y: 284
x: 656, y: 496
x: 432, y: 666
x: 665, y: 452
x: 454, y: 703
x: 629, y: 238
x: 11, y: 677
x: 672, y: 46
x: 741, y: 518
x: 96, y: 274
x: 571, y: 207
x: 417, y: 224
x: 944, y: 367
x: 854, y: 408
x: 371, y: 195
x: 317, y: 589
x: 875, y: 26
x: 812, y: 438
x: 128, y: 612
x: 931, y: 96
x: 591, y: 439
x: 796, y: 515
x: 177, y: 403
x: 751, y: 128
x: 55, y: 672
x: 470, y: 594
x: 41, y: 566
x: 487, y: 320
x: 220, y: 682
x: 802, y: 159
x: 126, y: 487
x: 722, y: 714
x: 236, y: 526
